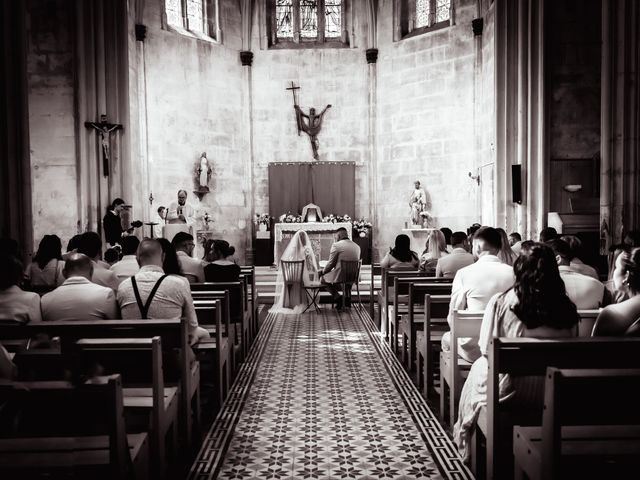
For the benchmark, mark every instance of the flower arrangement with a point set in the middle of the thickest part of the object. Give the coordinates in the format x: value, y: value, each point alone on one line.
x: 362, y: 227
x: 290, y: 218
x: 263, y: 219
x: 336, y: 218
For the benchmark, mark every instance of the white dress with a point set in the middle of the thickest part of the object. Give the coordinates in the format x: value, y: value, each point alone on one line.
x: 294, y: 300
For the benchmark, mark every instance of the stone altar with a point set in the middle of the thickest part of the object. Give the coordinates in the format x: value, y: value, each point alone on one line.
x: 321, y: 236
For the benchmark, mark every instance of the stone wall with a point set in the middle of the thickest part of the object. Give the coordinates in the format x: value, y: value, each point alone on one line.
x: 50, y: 84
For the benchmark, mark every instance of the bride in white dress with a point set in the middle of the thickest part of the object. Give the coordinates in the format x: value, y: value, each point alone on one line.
x: 294, y: 300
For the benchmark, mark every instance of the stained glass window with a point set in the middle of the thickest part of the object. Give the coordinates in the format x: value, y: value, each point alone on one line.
x: 429, y: 12
x: 284, y: 18
x: 194, y: 15
x: 308, y: 18
x: 422, y: 13
x: 173, y: 9
x: 333, y: 18
x: 442, y: 10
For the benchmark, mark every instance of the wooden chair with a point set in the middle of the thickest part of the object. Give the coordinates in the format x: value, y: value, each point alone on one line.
x: 452, y: 366
x: 350, y: 275
x: 428, y: 340
x: 63, y: 430
x: 401, y: 300
x: 587, y: 321
x: 292, y: 275
x: 590, y: 425
x: 139, y: 363
x: 218, y: 347
x: 521, y: 357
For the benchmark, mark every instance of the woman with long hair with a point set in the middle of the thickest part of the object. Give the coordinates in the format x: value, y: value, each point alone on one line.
x: 401, y: 255
x: 436, y: 248
x: 223, y: 268
x: 506, y: 255
x: 536, y: 306
x: 615, y: 319
x: 46, y: 268
x: 171, y: 264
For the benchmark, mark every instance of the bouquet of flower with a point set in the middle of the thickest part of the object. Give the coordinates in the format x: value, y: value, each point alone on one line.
x: 331, y: 218
x: 290, y: 218
x: 263, y: 219
x: 361, y: 227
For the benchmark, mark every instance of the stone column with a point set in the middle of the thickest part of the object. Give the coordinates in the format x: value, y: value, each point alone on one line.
x: 372, y: 59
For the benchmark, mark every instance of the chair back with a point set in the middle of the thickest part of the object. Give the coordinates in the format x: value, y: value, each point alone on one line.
x: 292, y: 271
x: 350, y: 271
x: 587, y: 320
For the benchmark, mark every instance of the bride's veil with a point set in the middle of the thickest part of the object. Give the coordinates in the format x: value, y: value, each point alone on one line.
x: 299, y: 248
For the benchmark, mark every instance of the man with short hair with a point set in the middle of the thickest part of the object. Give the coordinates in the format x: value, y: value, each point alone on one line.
x: 90, y: 245
x: 152, y: 294
x: 342, y: 249
x: 181, y: 211
x: 191, y: 267
x: 584, y: 291
x: 78, y: 298
x: 578, y: 265
x: 459, y: 257
x: 547, y: 234
x: 515, y: 242
x: 473, y: 286
x: 128, y: 265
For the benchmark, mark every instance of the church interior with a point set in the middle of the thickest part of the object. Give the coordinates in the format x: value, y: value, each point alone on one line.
x: 333, y: 239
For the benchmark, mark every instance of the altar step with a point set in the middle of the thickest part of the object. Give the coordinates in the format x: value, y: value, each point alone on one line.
x: 266, y: 278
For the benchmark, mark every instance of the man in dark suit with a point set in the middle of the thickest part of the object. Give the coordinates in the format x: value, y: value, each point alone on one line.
x: 342, y: 249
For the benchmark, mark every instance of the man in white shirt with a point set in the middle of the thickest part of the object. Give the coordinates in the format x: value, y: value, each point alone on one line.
x: 459, y: 257
x: 128, y: 265
x: 473, y: 286
x: 515, y: 242
x: 78, y: 298
x: 586, y: 292
x: 181, y: 211
x: 576, y: 264
x: 172, y: 297
x: 90, y: 245
x: 192, y: 268
x: 16, y: 304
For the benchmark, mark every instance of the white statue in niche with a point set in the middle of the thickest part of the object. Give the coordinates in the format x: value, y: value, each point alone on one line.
x: 204, y: 173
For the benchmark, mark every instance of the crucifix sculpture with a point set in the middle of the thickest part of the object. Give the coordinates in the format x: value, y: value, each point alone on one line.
x: 313, y: 123
x: 104, y: 128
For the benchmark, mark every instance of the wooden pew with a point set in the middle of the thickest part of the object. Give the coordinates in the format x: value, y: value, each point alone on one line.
x: 249, y: 273
x: 138, y: 361
x: 407, y: 299
x: 65, y: 430
x: 376, y: 273
x: 590, y: 418
x: 436, y: 310
x: 218, y: 347
x: 587, y: 321
x: 520, y: 357
x: 464, y: 325
x: 185, y: 372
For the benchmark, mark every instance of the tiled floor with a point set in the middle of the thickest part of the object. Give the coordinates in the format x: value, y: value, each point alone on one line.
x: 321, y: 396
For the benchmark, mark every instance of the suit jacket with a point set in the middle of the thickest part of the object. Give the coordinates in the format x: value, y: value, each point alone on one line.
x: 112, y: 228
x: 342, y: 250
x: 79, y: 299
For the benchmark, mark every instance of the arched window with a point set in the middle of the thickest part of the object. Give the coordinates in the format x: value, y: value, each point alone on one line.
x: 418, y: 16
x: 306, y: 22
x: 199, y: 17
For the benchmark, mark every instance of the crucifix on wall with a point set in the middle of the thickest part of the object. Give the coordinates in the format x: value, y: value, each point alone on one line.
x: 311, y: 123
x: 104, y: 128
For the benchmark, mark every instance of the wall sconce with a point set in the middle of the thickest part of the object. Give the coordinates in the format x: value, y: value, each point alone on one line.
x: 475, y: 178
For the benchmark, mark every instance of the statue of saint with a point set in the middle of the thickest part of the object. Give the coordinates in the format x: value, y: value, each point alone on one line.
x: 418, y: 204
x: 312, y: 126
x: 204, y: 173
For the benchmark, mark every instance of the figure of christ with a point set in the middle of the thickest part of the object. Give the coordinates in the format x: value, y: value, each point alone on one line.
x: 312, y: 126
x: 418, y: 203
x: 104, y: 128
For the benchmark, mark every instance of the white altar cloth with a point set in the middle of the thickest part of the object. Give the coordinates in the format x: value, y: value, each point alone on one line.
x: 321, y: 236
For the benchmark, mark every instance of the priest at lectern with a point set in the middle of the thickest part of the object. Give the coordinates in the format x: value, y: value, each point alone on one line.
x: 181, y: 211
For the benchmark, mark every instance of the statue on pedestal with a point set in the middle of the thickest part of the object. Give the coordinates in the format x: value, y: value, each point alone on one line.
x: 203, y: 173
x: 418, y: 203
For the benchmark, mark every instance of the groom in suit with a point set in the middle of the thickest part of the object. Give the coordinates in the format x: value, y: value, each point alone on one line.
x: 342, y: 249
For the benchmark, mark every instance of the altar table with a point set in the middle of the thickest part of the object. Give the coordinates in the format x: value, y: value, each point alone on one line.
x: 320, y: 234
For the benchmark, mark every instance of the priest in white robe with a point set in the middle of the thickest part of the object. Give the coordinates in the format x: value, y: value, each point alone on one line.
x: 181, y: 211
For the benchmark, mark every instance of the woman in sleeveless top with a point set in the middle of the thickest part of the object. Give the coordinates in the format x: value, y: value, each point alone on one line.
x: 46, y: 268
x: 223, y: 268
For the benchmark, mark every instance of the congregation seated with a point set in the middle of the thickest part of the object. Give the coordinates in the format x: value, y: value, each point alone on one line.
x: 401, y: 256
x: 78, y: 298
x: 128, y: 265
x: 111, y: 256
x: 16, y: 305
x: 436, y: 247
x: 537, y: 306
x: 515, y: 241
x: 90, y: 245
x: 586, y: 292
x: 46, y: 268
x: 447, y: 232
x: 223, y: 268
x: 191, y: 267
x: 506, y: 254
x: 459, y: 257
x: 576, y: 264
x: 616, y: 319
x: 154, y: 294
x: 170, y: 264
x: 475, y: 285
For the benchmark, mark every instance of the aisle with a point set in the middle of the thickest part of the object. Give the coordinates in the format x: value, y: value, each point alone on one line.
x: 321, y: 396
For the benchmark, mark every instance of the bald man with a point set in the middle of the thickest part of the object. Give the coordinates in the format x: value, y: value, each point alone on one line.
x: 150, y: 294
x: 78, y: 298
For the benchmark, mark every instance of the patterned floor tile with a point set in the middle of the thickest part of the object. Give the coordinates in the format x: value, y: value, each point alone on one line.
x: 324, y: 397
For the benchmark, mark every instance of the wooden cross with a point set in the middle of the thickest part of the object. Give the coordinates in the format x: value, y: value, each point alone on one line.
x: 104, y: 128
x: 293, y: 89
